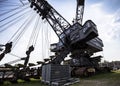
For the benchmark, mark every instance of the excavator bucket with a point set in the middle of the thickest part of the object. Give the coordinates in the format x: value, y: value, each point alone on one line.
x: 95, y: 45
x: 1, y: 49
x: 2, y: 56
x: 84, y: 34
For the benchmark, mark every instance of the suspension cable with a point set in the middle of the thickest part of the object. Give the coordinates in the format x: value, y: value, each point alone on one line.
x: 43, y: 43
x: 23, y: 31
x: 48, y: 38
x: 43, y: 56
x: 13, y: 14
x: 21, y: 2
x: 13, y: 10
x: 16, y: 21
x: 15, y: 55
x: 8, y: 2
x: 34, y: 33
x: 13, y: 20
x: 37, y: 34
x: 8, y: 5
x: 18, y: 30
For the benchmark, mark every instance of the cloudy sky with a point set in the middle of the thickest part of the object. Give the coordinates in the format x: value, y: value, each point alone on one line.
x: 104, y: 13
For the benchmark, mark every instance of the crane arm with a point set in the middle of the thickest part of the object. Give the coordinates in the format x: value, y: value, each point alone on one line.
x: 79, y: 11
x: 56, y: 21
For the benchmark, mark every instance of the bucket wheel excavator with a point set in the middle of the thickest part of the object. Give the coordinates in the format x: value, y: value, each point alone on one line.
x: 74, y: 39
x: 79, y: 40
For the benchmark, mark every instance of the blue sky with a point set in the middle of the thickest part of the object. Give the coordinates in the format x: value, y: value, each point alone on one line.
x: 108, y: 5
x: 104, y: 13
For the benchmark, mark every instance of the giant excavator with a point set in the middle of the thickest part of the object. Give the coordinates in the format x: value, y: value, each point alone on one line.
x: 79, y: 40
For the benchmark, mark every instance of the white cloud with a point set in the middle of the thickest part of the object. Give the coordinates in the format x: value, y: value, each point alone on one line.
x: 107, y: 28
x: 117, y: 16
x: 101, y: 19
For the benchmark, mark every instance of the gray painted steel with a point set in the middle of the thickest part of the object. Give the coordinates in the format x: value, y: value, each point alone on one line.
x: 54, y: 73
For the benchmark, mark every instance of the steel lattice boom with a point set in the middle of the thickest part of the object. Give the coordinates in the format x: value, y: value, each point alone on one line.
x: 57, y: 22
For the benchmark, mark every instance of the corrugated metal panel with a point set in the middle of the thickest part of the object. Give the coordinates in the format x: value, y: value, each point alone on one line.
x: 52, y: 73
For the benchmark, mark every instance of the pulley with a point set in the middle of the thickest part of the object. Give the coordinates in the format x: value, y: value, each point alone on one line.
x: 8, y: 47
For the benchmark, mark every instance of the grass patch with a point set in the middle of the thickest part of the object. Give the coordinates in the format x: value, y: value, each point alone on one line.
x: 31, y: 83
x: 115, y: 75
x: 7, y: 83
x: 20, y: 81
x: 106, y: 79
